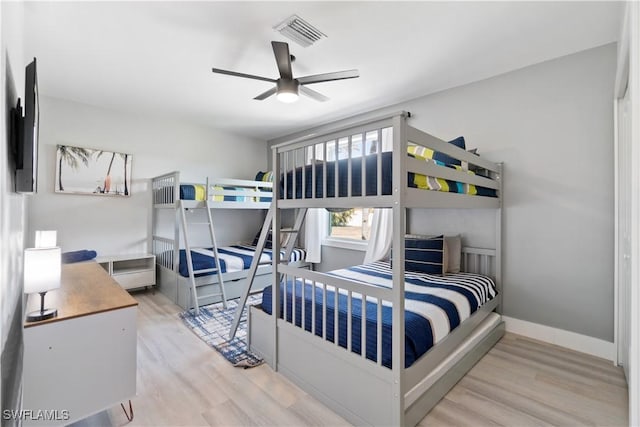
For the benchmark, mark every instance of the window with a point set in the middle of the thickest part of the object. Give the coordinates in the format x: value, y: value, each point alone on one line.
x: 351, y: 228
x: 353, y: 224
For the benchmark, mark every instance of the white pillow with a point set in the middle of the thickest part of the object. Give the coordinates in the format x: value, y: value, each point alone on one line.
x: 453, y: 250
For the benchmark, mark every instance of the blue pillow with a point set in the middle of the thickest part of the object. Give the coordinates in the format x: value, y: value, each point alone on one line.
x: 187, y: 192
x: 267, y: 243
x: 78, y: 256
x: 424, y: 255
x: 447, y: 159
x: 264, y: 177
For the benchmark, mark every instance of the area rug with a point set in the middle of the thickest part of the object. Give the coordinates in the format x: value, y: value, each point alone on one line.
x: 212, y: 325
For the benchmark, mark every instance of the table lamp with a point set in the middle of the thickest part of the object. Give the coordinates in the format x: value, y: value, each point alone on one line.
x: 46, y: 238
x: 42, y: 270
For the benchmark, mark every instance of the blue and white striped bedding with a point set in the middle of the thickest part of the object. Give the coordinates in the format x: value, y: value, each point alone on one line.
x: 434, y: 306
x: 232, y: 258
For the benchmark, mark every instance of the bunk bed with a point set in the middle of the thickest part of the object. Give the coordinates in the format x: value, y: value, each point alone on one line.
x: 348, y: 337
x: 185, y: 271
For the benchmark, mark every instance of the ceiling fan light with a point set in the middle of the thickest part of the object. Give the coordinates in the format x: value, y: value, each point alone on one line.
x: 287, y: 97
x: 287, y: 91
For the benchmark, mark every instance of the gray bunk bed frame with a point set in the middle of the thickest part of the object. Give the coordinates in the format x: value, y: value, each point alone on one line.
x: 166, y: 196
x: 361, y: 390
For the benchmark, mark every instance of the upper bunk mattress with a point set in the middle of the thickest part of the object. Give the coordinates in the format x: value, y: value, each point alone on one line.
x: 371, y: 179
x: 232, y: 258
x: 434, y: 306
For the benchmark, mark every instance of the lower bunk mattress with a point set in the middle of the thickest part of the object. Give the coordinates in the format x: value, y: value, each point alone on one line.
x: 434, y: 306
x: 232, y: 258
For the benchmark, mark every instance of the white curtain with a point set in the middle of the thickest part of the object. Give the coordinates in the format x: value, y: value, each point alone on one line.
x: 382, y: 221
x: 315, y: 230
x: 381, y: 237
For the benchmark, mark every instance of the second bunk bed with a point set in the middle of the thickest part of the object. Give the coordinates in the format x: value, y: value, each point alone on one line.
x: 191, y: 275
x: 382, y: 343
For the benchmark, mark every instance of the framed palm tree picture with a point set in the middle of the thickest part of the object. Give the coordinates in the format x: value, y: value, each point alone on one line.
x: 88, y: 171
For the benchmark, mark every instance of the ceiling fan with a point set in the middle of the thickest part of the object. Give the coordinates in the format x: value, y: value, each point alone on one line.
x: 287, y: 87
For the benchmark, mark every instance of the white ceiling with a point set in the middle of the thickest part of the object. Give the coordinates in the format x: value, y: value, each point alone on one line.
x: 156, y: 57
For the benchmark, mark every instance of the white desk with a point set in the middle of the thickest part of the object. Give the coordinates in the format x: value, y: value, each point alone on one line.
x: 84, y: 360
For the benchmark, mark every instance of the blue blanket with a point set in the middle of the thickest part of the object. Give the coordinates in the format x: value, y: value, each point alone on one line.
x: 232, y: 258
x: 200, y: 262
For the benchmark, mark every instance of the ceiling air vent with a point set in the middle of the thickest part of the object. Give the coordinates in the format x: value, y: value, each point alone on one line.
x: 299, y: 30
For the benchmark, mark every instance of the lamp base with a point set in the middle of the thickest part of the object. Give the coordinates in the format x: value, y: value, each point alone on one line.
x: 45, y: 314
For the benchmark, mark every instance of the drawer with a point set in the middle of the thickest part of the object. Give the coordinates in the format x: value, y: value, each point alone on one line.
x: 136, y: 280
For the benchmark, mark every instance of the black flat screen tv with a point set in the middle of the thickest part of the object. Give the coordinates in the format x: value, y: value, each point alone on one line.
x: 27, y: 146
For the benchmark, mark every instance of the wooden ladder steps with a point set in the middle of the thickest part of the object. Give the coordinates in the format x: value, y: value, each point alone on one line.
x: 289, y: 230
x: 209, y: 295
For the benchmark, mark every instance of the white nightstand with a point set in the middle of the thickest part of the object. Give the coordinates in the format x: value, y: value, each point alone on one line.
x: 130, y: 270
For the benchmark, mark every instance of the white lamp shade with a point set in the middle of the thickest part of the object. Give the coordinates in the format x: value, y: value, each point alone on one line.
x: 42, y: 269
x: 46, y: 238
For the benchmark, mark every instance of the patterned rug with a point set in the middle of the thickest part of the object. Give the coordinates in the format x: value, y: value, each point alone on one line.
x: 212, y: 325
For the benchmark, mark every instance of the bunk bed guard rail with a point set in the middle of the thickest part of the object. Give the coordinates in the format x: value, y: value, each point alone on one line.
x: 352, y: 167
x: 219, y: 192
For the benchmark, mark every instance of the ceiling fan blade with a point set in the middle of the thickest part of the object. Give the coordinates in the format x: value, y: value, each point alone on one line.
x: 283, y: 59
x: 327, y: 77
x: 312, y: 94
x: 246, y: 76
x: 266, y: 94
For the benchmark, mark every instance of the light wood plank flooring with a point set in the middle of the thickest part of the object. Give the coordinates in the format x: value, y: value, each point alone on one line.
x: 520, y: 382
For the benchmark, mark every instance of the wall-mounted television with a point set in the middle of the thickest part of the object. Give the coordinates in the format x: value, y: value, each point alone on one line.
x: 26, y: 136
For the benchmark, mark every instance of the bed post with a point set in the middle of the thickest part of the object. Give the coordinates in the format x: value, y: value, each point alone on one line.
x: 399, y: 229
x: 176, y: 225
x: 275, y: 257
x: 154, y: 219
x: 498, y: 258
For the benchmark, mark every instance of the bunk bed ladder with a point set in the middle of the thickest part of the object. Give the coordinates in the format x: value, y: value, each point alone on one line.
x: 292, y: 234
x: 192, y: 273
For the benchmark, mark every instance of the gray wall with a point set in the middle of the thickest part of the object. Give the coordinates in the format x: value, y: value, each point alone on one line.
x: 112, y: 225
x: 552, y: 126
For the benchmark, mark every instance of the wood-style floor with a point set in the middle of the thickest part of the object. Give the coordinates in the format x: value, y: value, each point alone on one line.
x: 520, y: 382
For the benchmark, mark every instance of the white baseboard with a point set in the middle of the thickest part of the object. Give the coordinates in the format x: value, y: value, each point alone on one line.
x: 571, y: 340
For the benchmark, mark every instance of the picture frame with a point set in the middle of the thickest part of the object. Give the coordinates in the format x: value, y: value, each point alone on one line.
x: 82, y: 170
